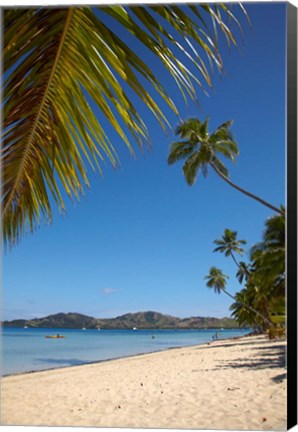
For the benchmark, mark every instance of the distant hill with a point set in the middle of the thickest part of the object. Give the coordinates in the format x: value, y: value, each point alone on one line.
x: 141, y: 320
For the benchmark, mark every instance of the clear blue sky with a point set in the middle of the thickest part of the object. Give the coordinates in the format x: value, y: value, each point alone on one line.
x: 141, y: 239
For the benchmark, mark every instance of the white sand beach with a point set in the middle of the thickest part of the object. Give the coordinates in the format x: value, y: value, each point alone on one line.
x: 235, y: 384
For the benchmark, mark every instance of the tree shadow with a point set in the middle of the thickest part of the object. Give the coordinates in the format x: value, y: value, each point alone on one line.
x: 60, y: 361
x: 265, y: 357
x: 279, y: 378
x: 233, y: 343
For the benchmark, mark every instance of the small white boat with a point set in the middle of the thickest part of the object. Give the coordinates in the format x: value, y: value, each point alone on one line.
x: 135, y: 328
x: 83, y: 328
x: 25, y: 326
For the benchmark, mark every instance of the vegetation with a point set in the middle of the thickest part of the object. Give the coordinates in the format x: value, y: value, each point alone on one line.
x: 217, y: 281
x: 261, y: 303
x: 141, y: 320
x: 229, y: 245
x: 50, y: 130
x: 202, y: 149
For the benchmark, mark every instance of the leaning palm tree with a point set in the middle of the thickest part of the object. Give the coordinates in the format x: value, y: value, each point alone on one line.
x: 242, y: 314
x: 70, y: 74
x: 202, y: 149
x: 217, y: 280
x: 229, y: 245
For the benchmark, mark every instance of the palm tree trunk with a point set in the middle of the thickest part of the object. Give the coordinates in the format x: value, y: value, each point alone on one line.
x: 235, y: 261
x: 249, y: 307
x: 260, y: 200
x: 238, y: 265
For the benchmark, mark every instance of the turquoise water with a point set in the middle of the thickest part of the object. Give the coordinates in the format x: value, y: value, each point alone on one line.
x: 25, y: 350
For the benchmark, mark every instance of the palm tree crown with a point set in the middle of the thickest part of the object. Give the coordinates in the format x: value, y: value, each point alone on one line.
x: 243, y: 272
x: 229, y: 244
x: 201, y: 149
x: 216, y: 279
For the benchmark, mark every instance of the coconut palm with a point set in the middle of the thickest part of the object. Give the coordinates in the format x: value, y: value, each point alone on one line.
x: 217, y: 280
x: 62, y: 64
x: 228, y: 244
x: 243, y: 272
x: 242, y: 313
x: 202, y: 149
x: 268, y: 258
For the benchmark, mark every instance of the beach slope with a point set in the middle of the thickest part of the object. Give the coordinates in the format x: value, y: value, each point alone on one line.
x: 227, y: 384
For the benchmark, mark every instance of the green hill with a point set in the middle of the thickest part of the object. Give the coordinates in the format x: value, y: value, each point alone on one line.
x: 140, y: 320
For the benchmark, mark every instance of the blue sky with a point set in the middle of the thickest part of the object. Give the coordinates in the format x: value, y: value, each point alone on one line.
x: 141, y: 239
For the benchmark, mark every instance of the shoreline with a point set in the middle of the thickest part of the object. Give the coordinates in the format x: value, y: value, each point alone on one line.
x: 122, y: 357
x: 235, y: 383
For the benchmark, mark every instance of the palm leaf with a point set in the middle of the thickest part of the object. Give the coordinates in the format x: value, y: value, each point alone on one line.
x: 196, y: 162
x: 50, y: 130
x: 220, y: 166
x: 179, y: 151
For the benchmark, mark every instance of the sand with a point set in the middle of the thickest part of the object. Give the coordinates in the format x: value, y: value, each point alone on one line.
x: 235, y: 384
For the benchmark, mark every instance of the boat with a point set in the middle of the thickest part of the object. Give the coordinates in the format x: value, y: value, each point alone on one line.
x: 25, y: 327
x: 134, y: 328
x: 83, y: 328
x: 55, y: 337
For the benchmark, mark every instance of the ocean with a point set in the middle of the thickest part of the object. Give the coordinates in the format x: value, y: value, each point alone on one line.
x: 27, y: 349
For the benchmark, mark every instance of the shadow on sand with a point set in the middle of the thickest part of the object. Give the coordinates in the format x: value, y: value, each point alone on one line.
x: 263, y: 358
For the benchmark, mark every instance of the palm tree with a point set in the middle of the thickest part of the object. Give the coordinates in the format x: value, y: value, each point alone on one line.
x: 242, y: 313
x: 228, y: 244
x: 217, y: 280
x: 268, y: 257
x: 59, y: 64
x: 201, y: 149
x: 243, y: 272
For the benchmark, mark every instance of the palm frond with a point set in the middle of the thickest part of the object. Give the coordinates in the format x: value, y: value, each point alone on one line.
x: 189, y: 128
x: 227, y: 148
x: 179, y: 151
x: 220, y: 166
x: 50, y: 130
x: 197, y: 161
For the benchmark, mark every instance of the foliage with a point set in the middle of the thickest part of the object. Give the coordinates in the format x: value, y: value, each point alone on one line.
x: 261, y: 303
x: 200, y: 149
x: 59, y: 62
x: 216, y: 279
x: 268, y: 257
x: 265, y: 281
x: 229, y: 245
